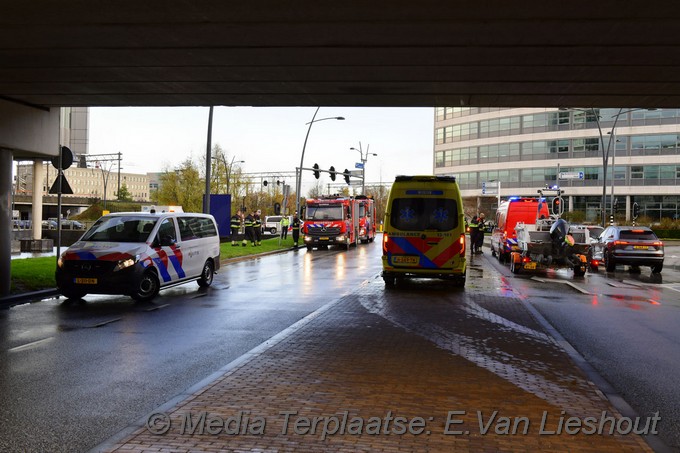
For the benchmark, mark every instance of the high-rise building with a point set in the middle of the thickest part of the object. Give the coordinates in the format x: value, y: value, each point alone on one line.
x: 526, y: 149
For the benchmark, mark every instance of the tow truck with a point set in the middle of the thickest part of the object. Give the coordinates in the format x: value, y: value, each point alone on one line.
x: 550, y: 243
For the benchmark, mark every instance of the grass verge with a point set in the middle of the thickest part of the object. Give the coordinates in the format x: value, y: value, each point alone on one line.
x: 33, y: 274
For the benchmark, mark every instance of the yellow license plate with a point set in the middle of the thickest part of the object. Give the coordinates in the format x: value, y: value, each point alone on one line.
x: 413, y: 260
x: 529, y: 265
x: 640, y: 247
x: 325, y: 238
x: 86, y: 281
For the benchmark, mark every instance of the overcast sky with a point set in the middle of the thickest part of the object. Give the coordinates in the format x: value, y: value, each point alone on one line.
x: 268, y: 139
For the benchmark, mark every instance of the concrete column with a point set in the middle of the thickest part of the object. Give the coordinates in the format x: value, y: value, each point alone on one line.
x: 628, y: 208
x: 38, y: 175
x: 5, y: 220
x: 571, y: 203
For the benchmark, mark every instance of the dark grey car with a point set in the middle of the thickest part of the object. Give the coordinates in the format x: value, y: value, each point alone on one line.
x: 632, y: 245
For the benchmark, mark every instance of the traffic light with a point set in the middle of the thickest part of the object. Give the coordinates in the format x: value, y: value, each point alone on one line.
x: 557, y: 205
x: 636, y: 210
x: 277, y: 208
x: 346, y: 175
x: 264, y: 183
x: 317, y: 173
x: 332, y: 172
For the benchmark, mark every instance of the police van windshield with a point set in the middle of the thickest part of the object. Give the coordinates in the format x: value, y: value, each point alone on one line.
x: 121, y: 229
x: 324, y: 212
x: 418, y: 214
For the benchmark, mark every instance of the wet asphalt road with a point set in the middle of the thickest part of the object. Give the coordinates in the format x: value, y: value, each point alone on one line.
x: 626, y: 327
x: 73, y: 374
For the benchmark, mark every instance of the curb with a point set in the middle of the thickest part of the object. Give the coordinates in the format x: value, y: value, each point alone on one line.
x: 23, y: 298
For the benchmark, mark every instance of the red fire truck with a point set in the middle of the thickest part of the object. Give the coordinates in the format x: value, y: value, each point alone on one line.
x: 331, y: 220
x: 366, y: 219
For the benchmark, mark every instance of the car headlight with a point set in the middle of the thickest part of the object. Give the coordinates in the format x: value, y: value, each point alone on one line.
x: 308, y: 238
x: 60, y: 261
x: 124, y: 264
x: 340, y: 238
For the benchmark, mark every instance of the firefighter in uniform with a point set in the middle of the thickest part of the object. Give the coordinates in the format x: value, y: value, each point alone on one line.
x: 235, y: 225
x: 250, y: 234
x: 296, y: 229
x: 474, y: 232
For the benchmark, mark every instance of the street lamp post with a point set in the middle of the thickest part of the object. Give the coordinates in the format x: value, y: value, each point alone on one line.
x: 605, y: 155
x: 364, y: 159
x: 298, y: 179
x: 228, y: 167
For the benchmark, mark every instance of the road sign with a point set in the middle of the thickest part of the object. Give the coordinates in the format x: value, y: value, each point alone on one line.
x: 571, y: 175
x: 359, y: 165
x: 356, y: 173
x: 489, y: 189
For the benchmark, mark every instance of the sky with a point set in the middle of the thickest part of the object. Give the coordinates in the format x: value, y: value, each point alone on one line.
x: 269, y: 139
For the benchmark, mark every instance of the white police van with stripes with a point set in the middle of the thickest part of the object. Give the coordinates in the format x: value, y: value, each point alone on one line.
x: 137, y: 254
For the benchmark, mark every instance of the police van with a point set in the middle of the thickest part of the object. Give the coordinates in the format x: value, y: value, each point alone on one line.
x: 424, y: 233
x: 137, y: 254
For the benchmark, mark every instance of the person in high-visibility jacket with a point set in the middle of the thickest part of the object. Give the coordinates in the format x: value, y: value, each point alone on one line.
x: 257, y: 228
x: 296, y: 229
x: 248, y: 222
x: 235, y: 225
x: 285, y: 222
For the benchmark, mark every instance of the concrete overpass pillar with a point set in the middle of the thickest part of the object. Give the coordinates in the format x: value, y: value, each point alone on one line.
x: 5, y: 219
x: 38, y: 170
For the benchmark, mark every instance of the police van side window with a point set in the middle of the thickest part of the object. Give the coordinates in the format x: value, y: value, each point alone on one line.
x: 196, y: 227
x: 167, y: 233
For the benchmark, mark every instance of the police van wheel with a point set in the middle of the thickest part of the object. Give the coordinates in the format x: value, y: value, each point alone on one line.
x: 147, y: 288
x: 390, y: 281
x: 207, y: 275
x: 272, y: 230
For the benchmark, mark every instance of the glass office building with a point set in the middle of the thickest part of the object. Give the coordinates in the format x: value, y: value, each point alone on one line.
x: 526, y: 149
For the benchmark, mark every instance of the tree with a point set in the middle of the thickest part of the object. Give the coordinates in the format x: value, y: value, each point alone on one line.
x: 182, y: 187
x: 316, y: 190
x: 124, y: 194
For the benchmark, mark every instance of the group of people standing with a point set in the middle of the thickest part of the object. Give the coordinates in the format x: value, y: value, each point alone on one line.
x: 253, y: 228
x: 252, y: 224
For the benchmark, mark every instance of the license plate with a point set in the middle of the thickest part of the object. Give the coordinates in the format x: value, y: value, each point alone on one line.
x: 413, y: 260
x: 86, y: 281
x: 640, y: 247
x: 529, y: 265
x: 325, y: 238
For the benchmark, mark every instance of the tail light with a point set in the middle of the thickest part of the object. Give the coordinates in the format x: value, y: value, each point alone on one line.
x: 462, y: 245
x: 658, y: 243
x: 384, y: 242
x: 621, y: 242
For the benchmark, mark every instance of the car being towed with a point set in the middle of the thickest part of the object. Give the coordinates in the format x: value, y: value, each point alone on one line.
x: 633, y: 245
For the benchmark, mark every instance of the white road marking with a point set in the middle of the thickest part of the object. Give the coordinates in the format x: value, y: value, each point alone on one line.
x: 31, y: 345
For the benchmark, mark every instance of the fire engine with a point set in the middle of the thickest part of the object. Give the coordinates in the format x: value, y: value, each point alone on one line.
x: 366, y: 219
x: 331, y: 220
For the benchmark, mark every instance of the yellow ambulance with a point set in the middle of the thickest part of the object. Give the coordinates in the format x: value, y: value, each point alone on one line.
x: 424, y: 233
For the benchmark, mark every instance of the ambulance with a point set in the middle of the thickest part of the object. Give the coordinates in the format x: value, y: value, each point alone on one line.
x: 137, y: 254
x: 424, y: 232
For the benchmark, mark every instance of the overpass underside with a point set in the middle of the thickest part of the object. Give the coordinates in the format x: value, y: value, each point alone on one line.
x: 495, y: 53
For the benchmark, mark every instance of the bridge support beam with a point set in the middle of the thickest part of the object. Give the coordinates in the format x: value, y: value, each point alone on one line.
x: 37, y: 200
x: 5, y: 219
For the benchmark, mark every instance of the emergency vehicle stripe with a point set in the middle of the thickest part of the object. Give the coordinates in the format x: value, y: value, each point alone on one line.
x: 162, y: 269
x: 86, y: 255
x: 407, y: 246
x: 162, y: 264
x: 176, y: 260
